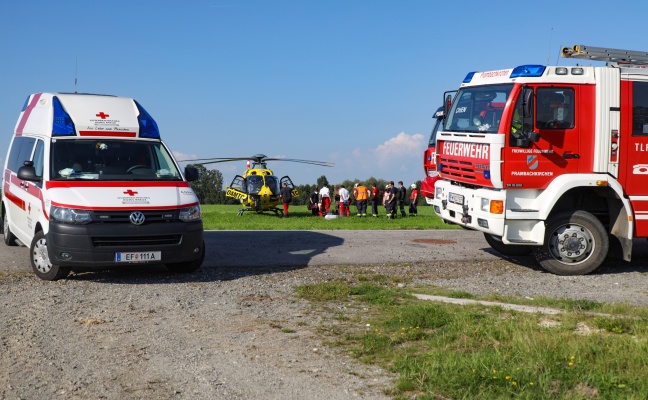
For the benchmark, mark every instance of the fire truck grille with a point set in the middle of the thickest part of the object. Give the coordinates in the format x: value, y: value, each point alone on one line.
x: 144, y: 241
x: 464, y: 170
x: 124, y: 216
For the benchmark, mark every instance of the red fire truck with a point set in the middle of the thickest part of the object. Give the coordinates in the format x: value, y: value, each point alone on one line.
x: 550, y: 159
x: 429, y: 161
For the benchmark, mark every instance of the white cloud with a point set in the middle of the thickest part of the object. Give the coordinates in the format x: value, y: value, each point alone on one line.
x: 402, y: 145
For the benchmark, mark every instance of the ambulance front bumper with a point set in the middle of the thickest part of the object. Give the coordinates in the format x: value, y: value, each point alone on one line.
x: 470, y: 208
x: 96, y: 245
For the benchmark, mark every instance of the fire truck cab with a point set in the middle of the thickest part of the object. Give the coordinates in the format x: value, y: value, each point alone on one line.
x: 429, y: 160
x: 550, y: 159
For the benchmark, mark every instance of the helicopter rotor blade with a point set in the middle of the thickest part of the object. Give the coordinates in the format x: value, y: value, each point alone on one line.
x: 259, y: 158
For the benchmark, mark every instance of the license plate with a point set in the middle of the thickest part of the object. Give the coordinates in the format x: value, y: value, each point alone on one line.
x: 138, y: 256
x: 455, y: 198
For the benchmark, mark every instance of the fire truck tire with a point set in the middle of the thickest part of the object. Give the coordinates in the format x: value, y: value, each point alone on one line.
x: 506, y: 249
x: 40, y: 262
x: 9, y: 237
x: 576, y: 243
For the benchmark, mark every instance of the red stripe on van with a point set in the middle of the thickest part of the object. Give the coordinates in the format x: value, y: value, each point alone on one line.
x: 125, y: 206
x: 127, y: 184
x: 108, y: 134
x: 26, y: 113
x: 15, y: 199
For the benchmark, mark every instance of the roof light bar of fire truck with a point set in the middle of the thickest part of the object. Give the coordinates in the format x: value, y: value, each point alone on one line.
x: 522, y: 71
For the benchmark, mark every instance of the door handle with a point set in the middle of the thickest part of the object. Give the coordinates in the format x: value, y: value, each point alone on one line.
x: 567, y: 156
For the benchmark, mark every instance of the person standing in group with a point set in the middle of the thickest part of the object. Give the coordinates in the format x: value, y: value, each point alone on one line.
x: 325, y: 198
x: 375, y: 199
x: 413, y: 209
x: 362, y: 195
x: 393, y: 199
x: 313, y: 201
x: 344, y: 201
x: 402, y: 196
x: 336, y: 199
x: 286, y: 198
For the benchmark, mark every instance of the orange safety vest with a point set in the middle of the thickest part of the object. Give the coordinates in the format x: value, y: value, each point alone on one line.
x: 363, y: 193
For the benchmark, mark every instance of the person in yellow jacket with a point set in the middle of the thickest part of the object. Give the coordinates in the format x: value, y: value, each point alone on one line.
x: 362, y: 197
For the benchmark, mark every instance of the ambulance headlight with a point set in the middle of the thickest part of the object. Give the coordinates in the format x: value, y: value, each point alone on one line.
x: 189, y: 214
x: 65, y: 215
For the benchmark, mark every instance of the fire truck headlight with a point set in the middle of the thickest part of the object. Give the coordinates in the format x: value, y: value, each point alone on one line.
x: 437, y: 192
x: 485, y: 204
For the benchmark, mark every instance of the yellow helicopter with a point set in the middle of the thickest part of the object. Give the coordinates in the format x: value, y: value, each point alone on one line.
x: 258, y: 188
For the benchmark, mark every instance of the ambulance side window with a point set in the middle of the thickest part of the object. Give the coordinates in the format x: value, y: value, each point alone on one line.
x: 639, y: 108
x: 21, y: 151
x: 39, y: 160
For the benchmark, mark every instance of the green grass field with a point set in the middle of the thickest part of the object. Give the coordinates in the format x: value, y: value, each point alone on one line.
x: 224, y: 217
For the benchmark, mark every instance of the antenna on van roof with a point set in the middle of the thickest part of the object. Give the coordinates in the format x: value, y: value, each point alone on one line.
x: 76, y: 68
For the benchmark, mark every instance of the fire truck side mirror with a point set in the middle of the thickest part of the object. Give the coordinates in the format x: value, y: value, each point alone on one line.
x: 528, y: 103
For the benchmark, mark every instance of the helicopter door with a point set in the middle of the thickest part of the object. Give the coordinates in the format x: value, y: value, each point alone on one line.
x: 287, y: 181
x: 238, y: 183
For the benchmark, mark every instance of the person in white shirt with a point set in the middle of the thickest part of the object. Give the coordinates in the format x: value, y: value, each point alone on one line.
x: 344, y: 202
x: 325, y: 197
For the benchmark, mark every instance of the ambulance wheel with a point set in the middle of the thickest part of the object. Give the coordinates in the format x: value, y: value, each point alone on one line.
x: 189, y: 266
x: 576, y: 243
x: 9, y: 238
x: 40, y: 261
x: 506, y: 249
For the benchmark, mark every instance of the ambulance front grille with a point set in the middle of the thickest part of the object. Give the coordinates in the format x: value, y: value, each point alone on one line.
x: 124, y: 241
x: 124, y: 216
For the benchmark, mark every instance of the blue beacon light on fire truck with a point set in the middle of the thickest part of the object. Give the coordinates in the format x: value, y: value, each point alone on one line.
x: 521, y: 71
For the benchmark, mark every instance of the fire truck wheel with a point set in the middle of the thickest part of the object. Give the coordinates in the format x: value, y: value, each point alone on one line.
x: 506, y: 249
x: 9, y: 238
x: 576, y: 243
x: 40, y: 261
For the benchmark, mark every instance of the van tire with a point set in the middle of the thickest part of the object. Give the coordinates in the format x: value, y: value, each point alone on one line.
x: 576, y: 243
x: 507, y: 249
x: 40, y: 261
x: 189, y: 266
x: 9, y: 238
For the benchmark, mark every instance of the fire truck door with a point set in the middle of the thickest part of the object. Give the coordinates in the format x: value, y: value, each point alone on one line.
x: 633, y: 157
x: 558, y: 150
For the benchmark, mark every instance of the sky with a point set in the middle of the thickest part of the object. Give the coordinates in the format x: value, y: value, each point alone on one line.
x: 352, y: 82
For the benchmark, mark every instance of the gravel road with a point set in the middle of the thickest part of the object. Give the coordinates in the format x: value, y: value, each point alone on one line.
x: 234, y: 329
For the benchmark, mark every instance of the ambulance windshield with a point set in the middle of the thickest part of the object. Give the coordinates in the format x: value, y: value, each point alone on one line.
x: 110, y: 160
x: 478, y: 109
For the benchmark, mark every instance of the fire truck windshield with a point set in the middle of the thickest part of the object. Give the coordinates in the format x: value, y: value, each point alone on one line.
x: 478, y: 109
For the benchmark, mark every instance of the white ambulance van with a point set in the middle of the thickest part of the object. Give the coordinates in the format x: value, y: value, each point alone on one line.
x: 89, y: 183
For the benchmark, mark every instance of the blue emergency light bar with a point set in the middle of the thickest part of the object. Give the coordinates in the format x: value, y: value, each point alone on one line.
x: 530, y: 71
x: 62, y: 124
x: 148, y: 126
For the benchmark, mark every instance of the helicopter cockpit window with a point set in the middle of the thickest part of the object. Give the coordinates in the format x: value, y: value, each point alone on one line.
x: 273, y: 184
x: 254, y: 184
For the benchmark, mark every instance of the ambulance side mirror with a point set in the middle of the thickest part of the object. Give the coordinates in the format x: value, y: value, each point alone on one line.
x: 191, y: 174
x: 28, y: 173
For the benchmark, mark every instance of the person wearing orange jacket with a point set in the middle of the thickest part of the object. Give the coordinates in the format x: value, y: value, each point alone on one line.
x: 362, y: 196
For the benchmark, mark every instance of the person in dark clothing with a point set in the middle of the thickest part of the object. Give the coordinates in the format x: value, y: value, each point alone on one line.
x: 402, y: 197
x: 312, y: 203
x: 375, y: 199
x: 391, y: 201
x: 286, y: 197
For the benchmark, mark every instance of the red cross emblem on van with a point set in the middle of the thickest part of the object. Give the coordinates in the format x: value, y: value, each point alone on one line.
x: 130, y: 192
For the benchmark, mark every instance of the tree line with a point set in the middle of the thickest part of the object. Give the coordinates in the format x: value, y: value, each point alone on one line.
x: 210, y: 188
